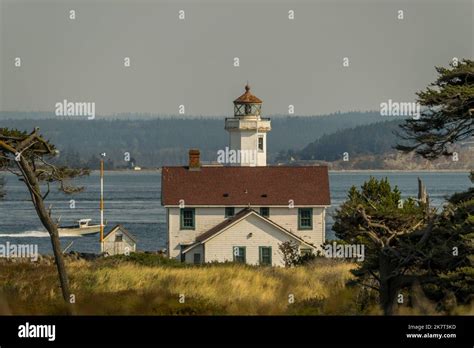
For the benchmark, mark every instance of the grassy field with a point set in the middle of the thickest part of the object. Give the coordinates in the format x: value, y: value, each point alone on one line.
x: 144, y: 284
x: 125, y: 287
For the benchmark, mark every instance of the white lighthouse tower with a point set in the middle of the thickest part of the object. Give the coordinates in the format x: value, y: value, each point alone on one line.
x: 248, y: 130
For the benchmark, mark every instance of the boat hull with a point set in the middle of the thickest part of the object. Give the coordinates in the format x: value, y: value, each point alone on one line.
x: 78, y: 231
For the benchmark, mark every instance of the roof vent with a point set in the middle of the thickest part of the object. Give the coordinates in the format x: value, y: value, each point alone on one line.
x: 264, y: 195
x: 226, y: 195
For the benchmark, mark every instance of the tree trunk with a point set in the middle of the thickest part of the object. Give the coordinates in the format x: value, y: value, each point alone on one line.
x: 43, y: 214
x: 56, y: 245
x: 388, y: 289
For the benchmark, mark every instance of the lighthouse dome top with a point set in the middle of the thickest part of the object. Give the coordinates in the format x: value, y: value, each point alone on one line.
x: 247, y: 105
x: 247, y: 97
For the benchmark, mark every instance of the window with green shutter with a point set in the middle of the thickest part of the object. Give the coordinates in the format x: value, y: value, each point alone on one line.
x: 265, y: 256
x: 239, y: 254
x: 187, y: 218
x: 305, y: 218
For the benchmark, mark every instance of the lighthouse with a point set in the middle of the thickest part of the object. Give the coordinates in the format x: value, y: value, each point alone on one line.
x: 248, y: 130
x: 237, y: 210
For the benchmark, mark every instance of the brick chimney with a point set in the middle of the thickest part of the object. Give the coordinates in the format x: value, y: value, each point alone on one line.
x: 194, y: 159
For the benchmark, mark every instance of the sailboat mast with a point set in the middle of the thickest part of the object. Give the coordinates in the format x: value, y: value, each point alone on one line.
x: 102, y: 200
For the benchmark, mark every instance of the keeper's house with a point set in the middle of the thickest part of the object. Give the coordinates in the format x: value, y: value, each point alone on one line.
x: 243, y: 211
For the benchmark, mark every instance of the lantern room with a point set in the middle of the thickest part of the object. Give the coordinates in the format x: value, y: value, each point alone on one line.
x: 247, y: 104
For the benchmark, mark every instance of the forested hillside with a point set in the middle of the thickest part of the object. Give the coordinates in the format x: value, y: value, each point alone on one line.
x: 374, y: 139
x: 154, y: 142
x: 371, y: 146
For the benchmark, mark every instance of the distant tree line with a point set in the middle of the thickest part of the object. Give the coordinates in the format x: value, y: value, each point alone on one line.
x: 374, y: 139
x: 165, y: 141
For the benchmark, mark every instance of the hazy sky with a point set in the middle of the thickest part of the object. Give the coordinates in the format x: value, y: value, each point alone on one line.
x: 190, y: 61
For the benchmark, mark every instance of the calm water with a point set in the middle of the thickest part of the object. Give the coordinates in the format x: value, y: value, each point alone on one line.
x: 133, y: 200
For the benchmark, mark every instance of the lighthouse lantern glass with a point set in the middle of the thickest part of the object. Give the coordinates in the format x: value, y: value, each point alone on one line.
x: 247, y: 109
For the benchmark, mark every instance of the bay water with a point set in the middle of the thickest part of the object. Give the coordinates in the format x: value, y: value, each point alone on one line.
x: 132, y: 199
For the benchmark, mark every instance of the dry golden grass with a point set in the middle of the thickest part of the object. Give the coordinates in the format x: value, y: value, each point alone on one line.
x: 145, y: 286
x: 130, y: 288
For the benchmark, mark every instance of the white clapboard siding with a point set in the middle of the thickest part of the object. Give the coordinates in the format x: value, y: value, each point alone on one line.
x: 112, y: 247
x: 208, y: 217
x: 220, y: 248
x: 189, y: 256
x: 288, y: 219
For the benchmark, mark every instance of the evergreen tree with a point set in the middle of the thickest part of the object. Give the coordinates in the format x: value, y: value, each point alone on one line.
x: 27, y: 156
x: 392, y: 231
x: 448, y: 116
x: 450, y: 252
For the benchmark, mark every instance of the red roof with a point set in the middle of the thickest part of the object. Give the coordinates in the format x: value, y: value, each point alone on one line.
x: 247, y: 98
x: 232, y: 186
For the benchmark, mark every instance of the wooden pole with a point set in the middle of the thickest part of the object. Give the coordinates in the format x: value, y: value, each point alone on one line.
x: 101, y: 203
x: 422, y: 195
